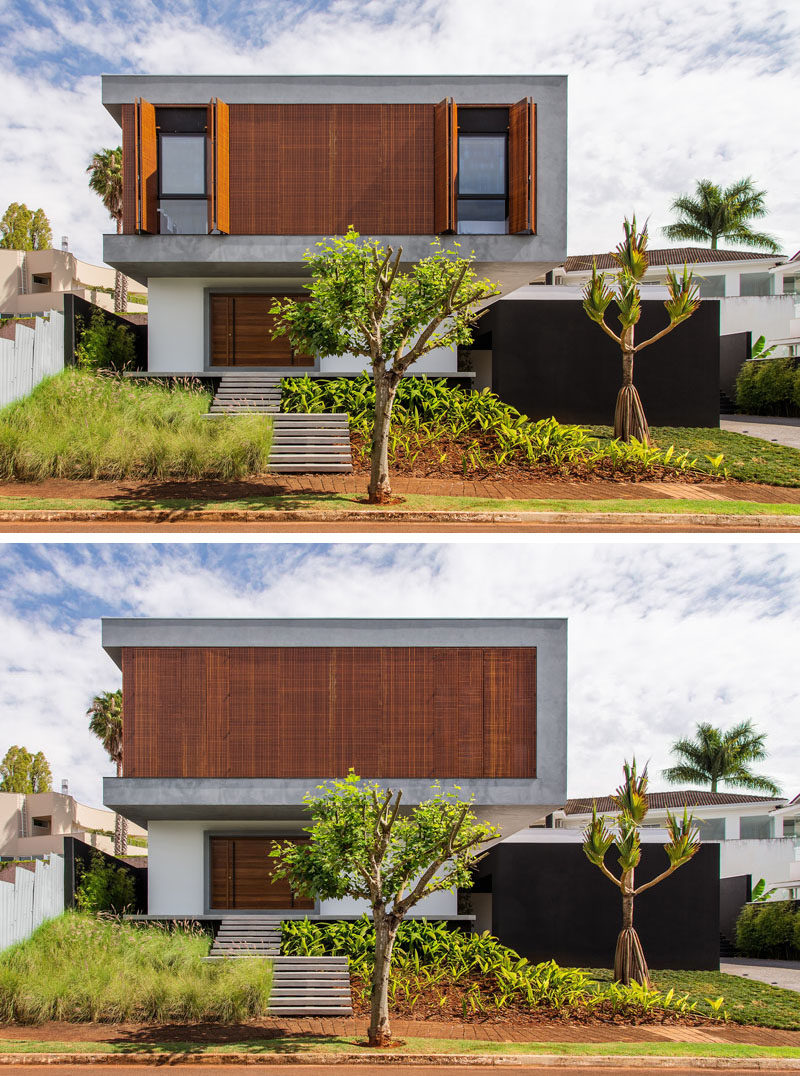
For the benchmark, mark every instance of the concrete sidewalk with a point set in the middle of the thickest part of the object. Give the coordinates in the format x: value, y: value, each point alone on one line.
x: 781, y: 431
x: 785, y: 973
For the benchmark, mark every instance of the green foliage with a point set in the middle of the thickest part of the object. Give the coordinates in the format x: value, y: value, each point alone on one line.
x: 25, y: 773
x: 769, y: 930
x: 105, y: 888
x: 105, y: 179
x: 105, y: 722
x: 362, y: 846
x: 81, y: 968
x: 81, y: 425
x: 106, y: 344
x: 761, y: 894
x: 759, y: 350
x: 721, y: 755
x: 769, y: 387
x: 429, y: 414
x: 25, y: 229
x: 715, y: 213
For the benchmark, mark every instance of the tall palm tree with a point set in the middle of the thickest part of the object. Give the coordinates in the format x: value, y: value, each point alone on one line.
x: 105, y: 174
x: 716, y: 755
x: 715, y: 213
x: 105, y: 722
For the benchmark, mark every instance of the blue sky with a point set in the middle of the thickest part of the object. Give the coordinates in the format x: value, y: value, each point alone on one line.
x: 661, y: 634
x: 660, y: 94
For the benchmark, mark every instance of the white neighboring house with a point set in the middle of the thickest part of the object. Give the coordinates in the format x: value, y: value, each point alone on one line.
x: 35, y: 281
x: 35, y: 825
x: 757, y: 835
x: 759, y: 293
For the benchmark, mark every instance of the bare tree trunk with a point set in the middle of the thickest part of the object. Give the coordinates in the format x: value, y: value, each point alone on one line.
x: 123, y: 294
x: 629, y: 416
x: 380, y: 489
x: 117, y: 834
x: 380, y: 1033
x: 120, y: 282
x: 629, y: 961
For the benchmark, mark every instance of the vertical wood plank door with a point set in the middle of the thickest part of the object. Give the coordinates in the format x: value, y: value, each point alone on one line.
x: 242, y: 877
x: 241, y: 334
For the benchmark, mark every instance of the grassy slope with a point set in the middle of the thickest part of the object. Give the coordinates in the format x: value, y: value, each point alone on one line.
x: 81, y: 968
x: 84, y: 425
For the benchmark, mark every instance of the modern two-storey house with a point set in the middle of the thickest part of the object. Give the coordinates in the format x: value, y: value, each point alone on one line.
x: 228, y: 723
x: 228, y: 180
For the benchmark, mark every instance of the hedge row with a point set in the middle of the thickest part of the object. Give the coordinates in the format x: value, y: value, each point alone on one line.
x: 769, y: 387
x: 770, y: 930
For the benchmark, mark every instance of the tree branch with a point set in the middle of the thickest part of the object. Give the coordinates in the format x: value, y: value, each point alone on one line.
x: 655, y: 881
x: 658, y: 336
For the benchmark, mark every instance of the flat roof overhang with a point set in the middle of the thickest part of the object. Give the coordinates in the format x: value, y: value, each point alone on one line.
x: 510, y: 260
x: 229, y: 799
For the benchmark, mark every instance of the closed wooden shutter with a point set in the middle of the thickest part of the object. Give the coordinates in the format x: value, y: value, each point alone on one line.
x: 445, y: 165
x: 219, y: 186
x: 522, y: 167
x: 146, y: 168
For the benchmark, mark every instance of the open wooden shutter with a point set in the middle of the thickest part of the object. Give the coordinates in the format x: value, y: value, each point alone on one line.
x: 522, y: 167
x: 146, y: 168
x: 219, y: 186
x: 129, y: 157
x: 445, y: 165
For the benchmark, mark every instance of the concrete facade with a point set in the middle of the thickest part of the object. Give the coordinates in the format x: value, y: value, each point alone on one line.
x: 181, y: 813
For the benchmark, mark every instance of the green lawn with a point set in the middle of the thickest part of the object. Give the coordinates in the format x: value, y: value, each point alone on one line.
x: 747, y: 459
x: 412, y: 1046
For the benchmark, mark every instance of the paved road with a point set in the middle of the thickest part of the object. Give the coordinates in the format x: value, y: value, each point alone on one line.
x: 785, y: 973
x: 783, y: 431
x: 559, y: 1064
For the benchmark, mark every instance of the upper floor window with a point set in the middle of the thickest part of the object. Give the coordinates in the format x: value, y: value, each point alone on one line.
x: 483, y: 171
x: 182, y: 186
x: 755, y: 283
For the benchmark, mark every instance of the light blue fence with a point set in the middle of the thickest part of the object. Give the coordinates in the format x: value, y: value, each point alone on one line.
x: 35, y: 354
x: 33, y: 897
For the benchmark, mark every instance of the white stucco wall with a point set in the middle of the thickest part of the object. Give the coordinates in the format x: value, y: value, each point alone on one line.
x: 438, y: 904
x: 768, y: 859
x: 762, y: 315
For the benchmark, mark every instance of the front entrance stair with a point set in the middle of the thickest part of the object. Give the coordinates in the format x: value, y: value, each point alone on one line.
x: 301, y: 985
x: 247, y: 393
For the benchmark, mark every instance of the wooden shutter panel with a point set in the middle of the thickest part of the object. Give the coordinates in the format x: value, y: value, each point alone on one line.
x: 522, y: 167
x: 146, y: 168
x: 445, y: 165
x: 219, y: 186
x: 129, y: 157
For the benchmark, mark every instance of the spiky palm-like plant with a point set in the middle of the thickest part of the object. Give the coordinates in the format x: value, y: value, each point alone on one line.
x: 105, y: 179
x: 631, y: 798
x: 631, y: 257
x: 105, y: 722
x: 716, y: 755
x: 715, y: 213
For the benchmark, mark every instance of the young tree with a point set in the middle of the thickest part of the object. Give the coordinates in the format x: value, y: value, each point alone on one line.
x: 715, y: 213
x: 631, y: 256
x: 360, y: 303
x: 25, y: 229
x: 105, y: 722
x: 363, y: 846
x: 25, y: 773
x: 716, y: 755
x: 631, y: 798
x: 105, y: 179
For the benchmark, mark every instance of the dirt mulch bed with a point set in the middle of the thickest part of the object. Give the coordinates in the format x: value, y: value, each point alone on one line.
x: 558, y: 1031
x: 355, y: 485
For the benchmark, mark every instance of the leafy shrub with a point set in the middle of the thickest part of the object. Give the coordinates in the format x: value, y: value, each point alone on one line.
x: 81, y: 425
x: 105, y: 888
x: 770, y: 930
x: 769, y: 387
x: 429, y: 417
x: 82, y: 968
x: 105, y: 344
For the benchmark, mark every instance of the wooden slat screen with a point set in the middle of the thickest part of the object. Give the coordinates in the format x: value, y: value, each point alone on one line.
x: 314, y: 712
x: 129, y: 169
x: 315, y: 169
x: 242, y: 876
x: 522, y: 167
x: 147, y: 167
x: 219, y: 186
x: 445, y: 166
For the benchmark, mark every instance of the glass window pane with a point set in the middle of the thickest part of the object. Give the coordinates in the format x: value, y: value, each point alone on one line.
x: 183, y: 164
x: 183, y: 216
x: 754, y: 827
x: 755, y: 283
x: 481, y: 216
x: 711, y: 829
x: 712, y: 287
x: 482, y: 164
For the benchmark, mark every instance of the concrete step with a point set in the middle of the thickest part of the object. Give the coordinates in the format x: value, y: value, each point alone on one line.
x: 304, y: 468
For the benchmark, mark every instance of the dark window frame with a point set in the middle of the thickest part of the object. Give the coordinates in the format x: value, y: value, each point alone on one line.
x: 189, y: 197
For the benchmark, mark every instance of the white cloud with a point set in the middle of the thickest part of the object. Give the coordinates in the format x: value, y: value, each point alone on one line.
x: 661, y: 636
x: 659, y: 95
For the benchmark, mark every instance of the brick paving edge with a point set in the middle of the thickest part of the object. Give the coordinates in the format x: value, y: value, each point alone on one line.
x: 556, y: 1061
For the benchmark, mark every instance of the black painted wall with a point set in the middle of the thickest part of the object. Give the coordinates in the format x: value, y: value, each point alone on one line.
x: 734, y: 351
x: 549, y: 902
x: 734, y: 893
x: 77, y: 315
x: 78, y: 856
x: 548, y: 358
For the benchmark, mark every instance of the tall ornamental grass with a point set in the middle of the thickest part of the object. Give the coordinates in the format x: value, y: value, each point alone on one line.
x: 82, y: 968
x: 80, y: 424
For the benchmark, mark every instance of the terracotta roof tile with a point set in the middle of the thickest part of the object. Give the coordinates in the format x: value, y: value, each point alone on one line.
x: 667, y: 256
x: 670, y: 800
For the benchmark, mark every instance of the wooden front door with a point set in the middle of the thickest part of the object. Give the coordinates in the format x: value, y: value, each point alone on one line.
x: 241, y: 334
x: 241, y: 877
